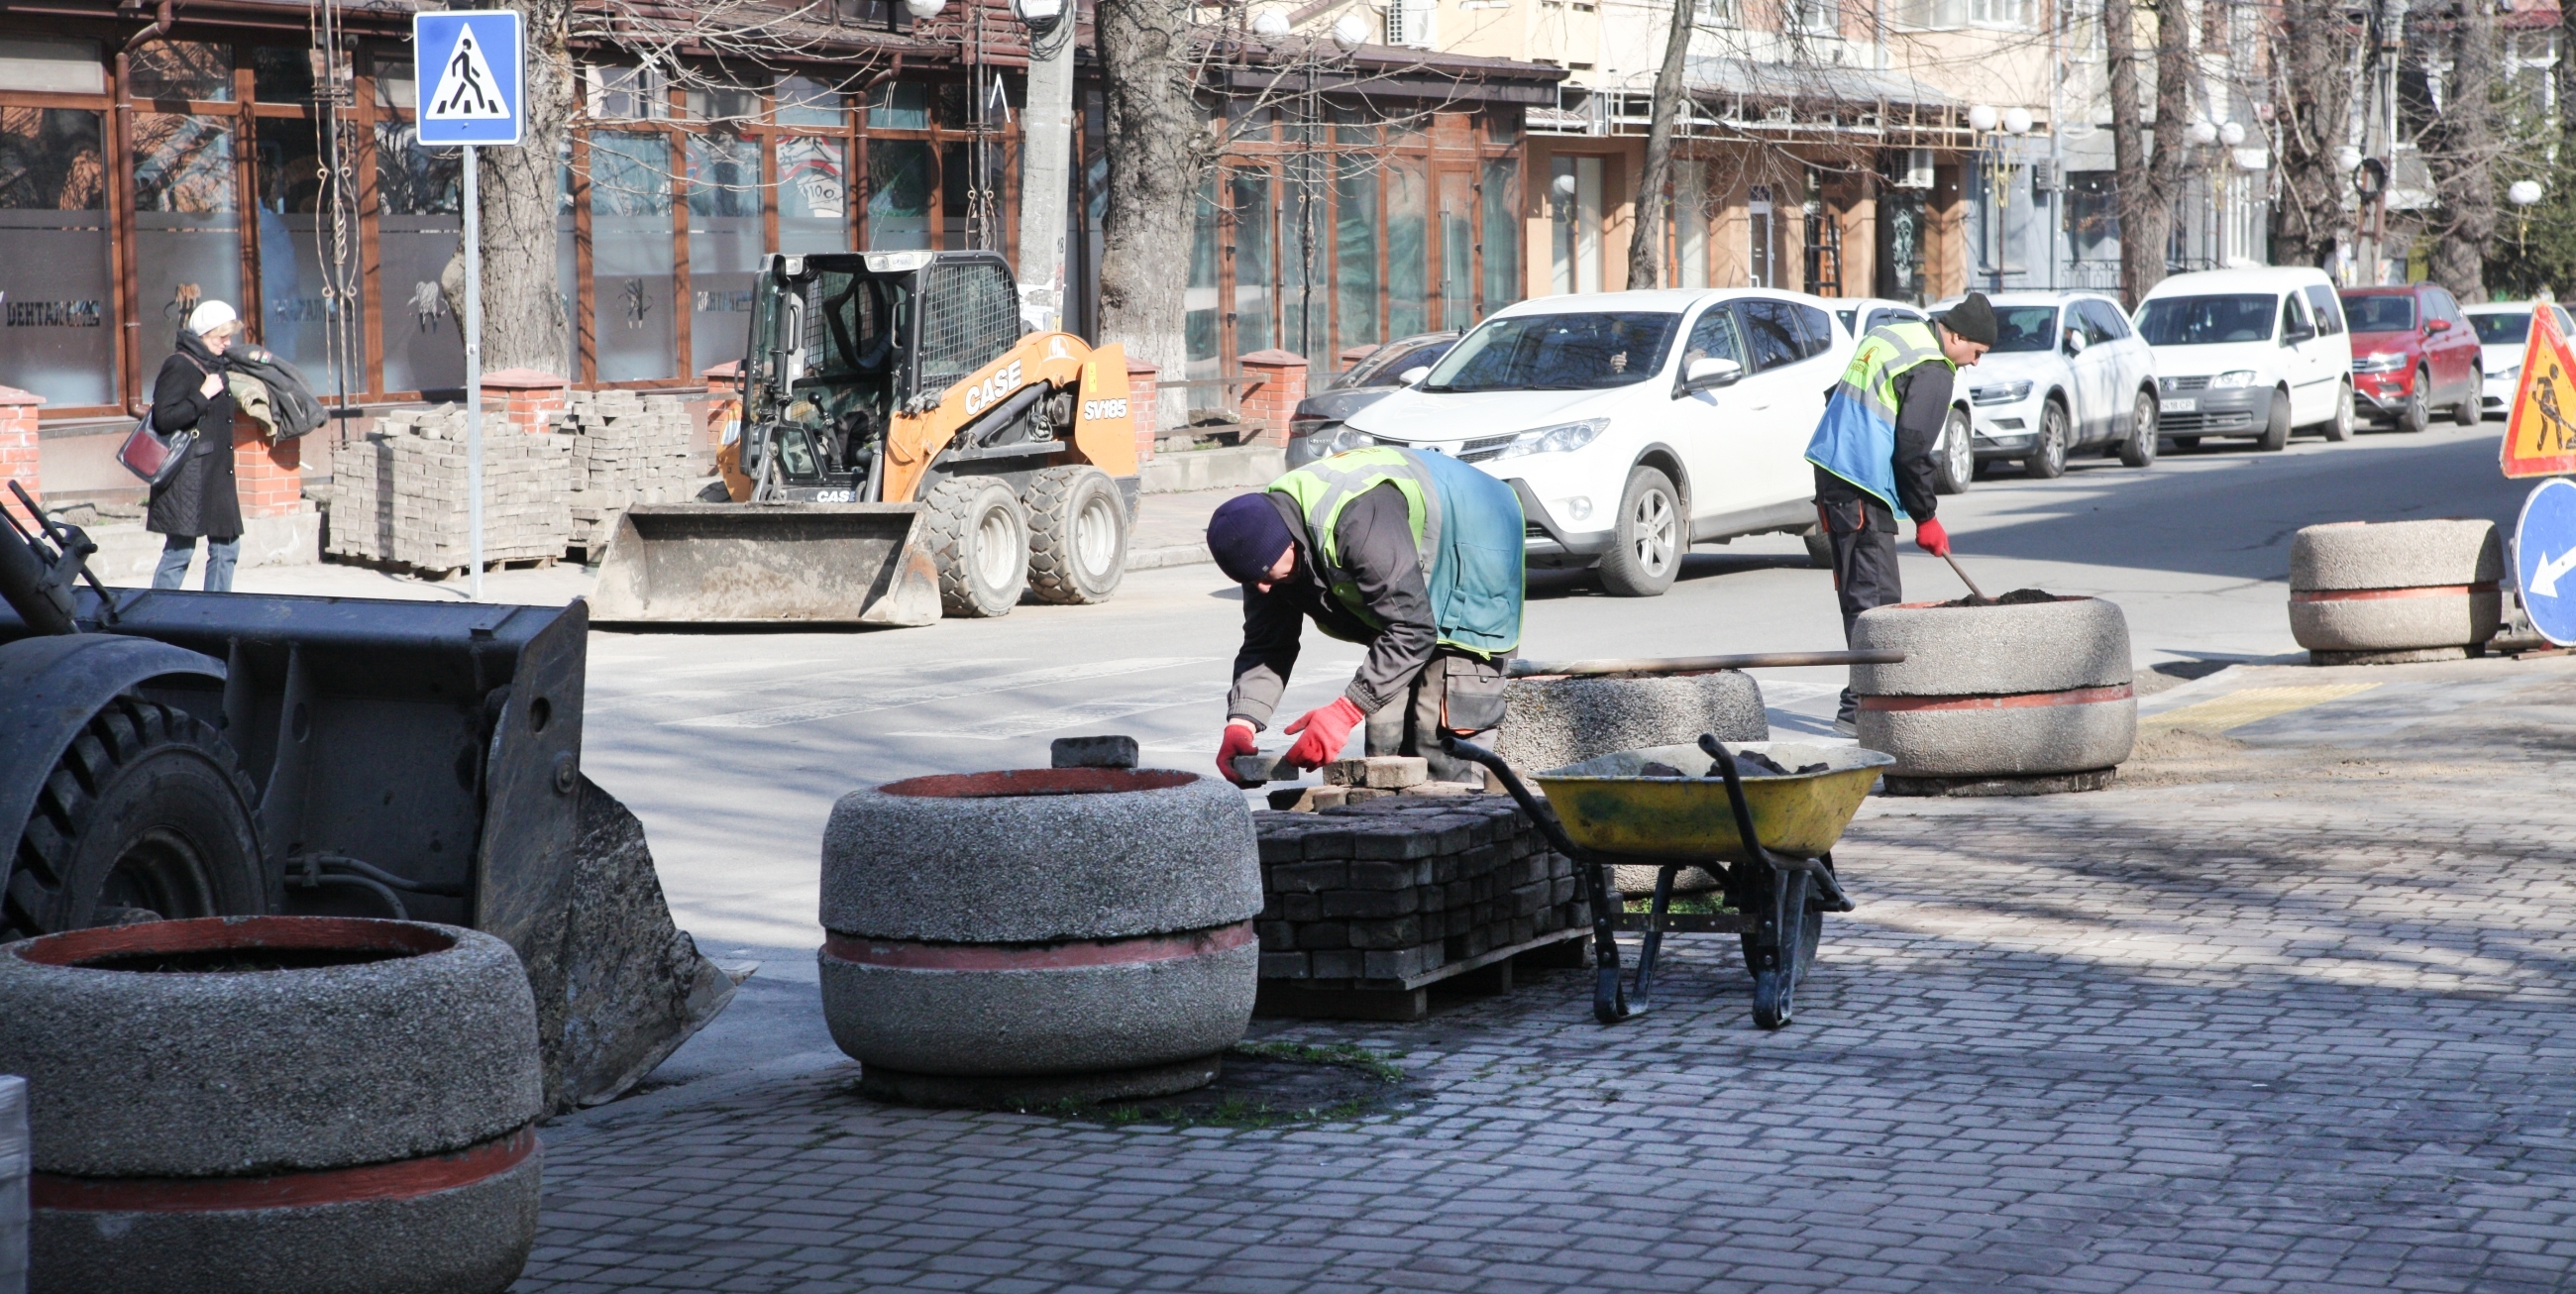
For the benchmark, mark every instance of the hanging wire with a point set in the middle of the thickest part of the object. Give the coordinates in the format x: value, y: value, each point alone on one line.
x: 335, y: 220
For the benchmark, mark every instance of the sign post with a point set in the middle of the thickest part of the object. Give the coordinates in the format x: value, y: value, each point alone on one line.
x: 470, y: 71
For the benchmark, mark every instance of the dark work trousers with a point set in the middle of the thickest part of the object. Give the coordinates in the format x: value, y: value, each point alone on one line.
x: 1411, y: 724
x: 1863, y: 536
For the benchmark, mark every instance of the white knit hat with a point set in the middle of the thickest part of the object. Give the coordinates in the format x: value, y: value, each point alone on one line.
x: 209, y: 316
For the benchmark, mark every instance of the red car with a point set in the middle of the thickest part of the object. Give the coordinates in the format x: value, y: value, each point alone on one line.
x: 2413, y: 352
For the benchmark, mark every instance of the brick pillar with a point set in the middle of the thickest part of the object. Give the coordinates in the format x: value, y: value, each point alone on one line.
x: 524, y: 398
x: 1140, y: 406
x: 1270, y: 405
x: 18, y: 454
x: 724, y: 379
x: 268, y: 476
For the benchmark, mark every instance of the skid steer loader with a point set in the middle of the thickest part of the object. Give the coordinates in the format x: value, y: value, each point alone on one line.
x: 904, y: 449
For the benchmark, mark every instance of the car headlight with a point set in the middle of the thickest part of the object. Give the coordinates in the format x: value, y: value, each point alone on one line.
x: 2234, y: 377
x: 1556, y: 438
x: 2380, y: 361
x: 1349, y: 438
x: 2000, y: 393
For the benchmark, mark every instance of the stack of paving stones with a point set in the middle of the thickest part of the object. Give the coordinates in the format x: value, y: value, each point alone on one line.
x: 627, y: 448
x: 400, y: 497
x: 1367, y: 905
x: 1355, y: 781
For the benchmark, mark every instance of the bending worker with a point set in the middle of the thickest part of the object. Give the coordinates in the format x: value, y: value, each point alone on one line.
x: 1873, y: 453
x: 1416, y: 555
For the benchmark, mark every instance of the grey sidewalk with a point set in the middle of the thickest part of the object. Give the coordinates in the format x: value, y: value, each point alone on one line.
x: 2295, y: 1020
x: 1171, y: 529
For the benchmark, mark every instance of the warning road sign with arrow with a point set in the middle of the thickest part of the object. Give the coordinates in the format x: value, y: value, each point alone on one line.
x: 468, y: 69
x: 2541, y: 439
x: 2544, y: 560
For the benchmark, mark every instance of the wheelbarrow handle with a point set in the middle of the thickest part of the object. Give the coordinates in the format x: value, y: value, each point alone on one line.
x: 1471, y: 752
x: 1716, y: 750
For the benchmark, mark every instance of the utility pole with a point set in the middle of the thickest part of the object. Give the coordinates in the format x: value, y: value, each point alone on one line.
x: 1046, y: 143
x: 2379, y: 137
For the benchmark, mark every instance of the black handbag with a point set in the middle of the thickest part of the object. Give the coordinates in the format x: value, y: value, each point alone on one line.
x: 155, y: 455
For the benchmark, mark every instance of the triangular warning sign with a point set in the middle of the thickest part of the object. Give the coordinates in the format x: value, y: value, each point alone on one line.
x: 467, y: 90
x: 2541, y: 438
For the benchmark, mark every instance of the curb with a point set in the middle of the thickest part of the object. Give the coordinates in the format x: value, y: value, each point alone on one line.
x: 1155, y: 559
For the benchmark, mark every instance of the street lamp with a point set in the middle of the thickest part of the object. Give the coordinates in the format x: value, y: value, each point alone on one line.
x: 2347, y: 160
x: 1270, y: 22
x: 1040, y: 15
x: 1350, y: 32
x: 1981, y: 119
x: 2017, y: 121
x: 1987, y: 120
x: 2233, y: 132
x: 2523, y: 194
x: 2204, y: 132
x: 924, y: 10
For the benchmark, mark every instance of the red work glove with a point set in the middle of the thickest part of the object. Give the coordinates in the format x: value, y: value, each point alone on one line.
x: 1236, y: 741
x: 1326, y: 730
x: 1931, y: 537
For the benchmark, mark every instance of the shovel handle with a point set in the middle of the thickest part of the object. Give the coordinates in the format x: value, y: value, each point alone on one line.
x: 1962, y: 571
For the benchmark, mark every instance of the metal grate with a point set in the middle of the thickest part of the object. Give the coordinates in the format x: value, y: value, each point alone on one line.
x: 1482, y: 448
x: 2184, y: 423
x: 969, y: 317
x: 2186, y: 383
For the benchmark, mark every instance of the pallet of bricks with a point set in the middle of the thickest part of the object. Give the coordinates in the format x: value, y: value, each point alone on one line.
x: 1368, y: 905
x: 400, y: 495
x: 627, y: 448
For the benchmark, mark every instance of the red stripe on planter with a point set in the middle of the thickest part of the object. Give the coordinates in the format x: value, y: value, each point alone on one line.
x: 395, y: 1181
x: 2076, y: 696
x: 905, y: 955
x: 2373, y: 595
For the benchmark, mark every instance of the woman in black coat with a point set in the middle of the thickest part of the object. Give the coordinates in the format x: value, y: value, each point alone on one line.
x: 198, y: 500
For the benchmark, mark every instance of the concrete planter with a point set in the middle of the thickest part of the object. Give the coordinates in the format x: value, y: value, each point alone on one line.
x: 2036, y: 691
x: 1552, y: 721
x: 1040, y: 935
x: 276, y: 1105
x: 2364, y: 592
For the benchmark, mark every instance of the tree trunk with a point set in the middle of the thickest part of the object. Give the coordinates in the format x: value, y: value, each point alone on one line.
x: 523, y: 306
x: 1155, y: 167
x: 2147, y: 207
x: 2463, y: 165
x: 2315, y: 52
x: 2130, y: 194
x: 1646, y: 248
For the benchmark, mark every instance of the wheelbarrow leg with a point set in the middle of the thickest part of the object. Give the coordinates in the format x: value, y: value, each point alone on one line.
x: 1654, y: 939
x: 1779, y: 948
x: 1609, y: 996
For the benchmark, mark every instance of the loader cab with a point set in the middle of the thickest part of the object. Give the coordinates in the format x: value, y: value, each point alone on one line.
x: 840, y: 344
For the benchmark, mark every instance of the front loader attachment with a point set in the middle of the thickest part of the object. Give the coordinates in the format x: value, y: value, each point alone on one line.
x: 768, y: 563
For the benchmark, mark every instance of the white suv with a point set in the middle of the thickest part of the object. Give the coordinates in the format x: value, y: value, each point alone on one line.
x: 2066, y: 373
x: 1633, y: 424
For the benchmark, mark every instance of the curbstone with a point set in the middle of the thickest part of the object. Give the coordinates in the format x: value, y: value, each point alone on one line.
x: 1997, y: 691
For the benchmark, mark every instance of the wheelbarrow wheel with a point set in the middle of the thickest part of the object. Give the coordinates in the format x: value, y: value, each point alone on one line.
x: 1775, y: 986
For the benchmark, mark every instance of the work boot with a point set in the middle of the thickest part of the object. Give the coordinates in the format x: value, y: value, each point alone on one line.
x: 1847, y: 716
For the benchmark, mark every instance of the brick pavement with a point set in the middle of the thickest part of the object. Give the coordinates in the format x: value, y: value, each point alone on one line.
x: 2256, y: 1035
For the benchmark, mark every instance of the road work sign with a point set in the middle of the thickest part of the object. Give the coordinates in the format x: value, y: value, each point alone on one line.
x: 2544, y: 560
x: 2541, y: 439
x: 470, y: 75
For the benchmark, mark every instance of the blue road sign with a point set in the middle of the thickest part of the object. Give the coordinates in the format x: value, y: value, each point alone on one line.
x: 2544, y: 559
x: 469, y: 72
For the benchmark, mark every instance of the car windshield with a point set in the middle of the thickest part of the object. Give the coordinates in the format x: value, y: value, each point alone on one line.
x: 2026, y: 328
x: 1567, y: 352
x: 1385, y: 364
x: 2207, y: 321
x: 2380, y: 313
x: 2502, y: 329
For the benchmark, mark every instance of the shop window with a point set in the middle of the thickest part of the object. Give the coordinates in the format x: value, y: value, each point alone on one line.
x: 1355, y: 247
x: 1927, y: 15
x: 419, y: 226
x: 1761, y: 239
x: 1503, y: 127
x: 953, y: 113
x: 725, y: 240
x: 813, y: 194
x: 900, y: 105
x: 395, y: 87
x: 1305, y: 247
x: 2093, y: 216
x: 901, y: 173
x: 721, y: 103
x: 804, y: 101
x: 632, y: 269
x: 281, y: 75
x: 627, y: 93
x: 1502, y: 232
x: 51, y: 66
x: 568, y: 264
x: 1457, y: 250
x: 1574, y: 211
x: 307, y: 267
x: 1252, y: 247
x: 187, y: 219
x: 183, y: 69
x: 1200, y: 299
x: 971, y: 198
x: 56, y: 304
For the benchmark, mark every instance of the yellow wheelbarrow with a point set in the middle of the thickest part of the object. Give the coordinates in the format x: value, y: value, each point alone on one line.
x: 1769, y: 838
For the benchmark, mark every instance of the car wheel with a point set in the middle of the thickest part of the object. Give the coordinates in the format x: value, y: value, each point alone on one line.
x: 1648, y: 553
x: 2276, y: 428
x: 2139, y: 450
x: 2047, y: 459
x: 2419, y: 407
x: 2472, y: 407
x: 1956, y: 465
x: 2339, y: 427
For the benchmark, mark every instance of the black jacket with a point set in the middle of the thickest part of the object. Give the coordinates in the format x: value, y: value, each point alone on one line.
x: 199, y: 499
x: 290, y: 397
x: 1374, y: 539
x: 1922, y: 410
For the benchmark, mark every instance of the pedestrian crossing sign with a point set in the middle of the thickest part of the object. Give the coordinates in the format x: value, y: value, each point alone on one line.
x: 2541, y: 438
x: 467, y: 70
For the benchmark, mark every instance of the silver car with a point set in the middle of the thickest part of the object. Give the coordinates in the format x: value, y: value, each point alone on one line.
x: 2067, y: 374
x: 2504, y: 332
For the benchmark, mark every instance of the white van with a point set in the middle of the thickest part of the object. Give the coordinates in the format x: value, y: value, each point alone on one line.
x: 1633, y: 424
x: 2249, y: 352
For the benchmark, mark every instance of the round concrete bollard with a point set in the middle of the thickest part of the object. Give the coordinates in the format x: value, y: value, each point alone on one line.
x: 276, y: 1105
x: 1998, y: 700
x: 1550, y: 721
x: 2365, y: 593
x: 1020, y: 938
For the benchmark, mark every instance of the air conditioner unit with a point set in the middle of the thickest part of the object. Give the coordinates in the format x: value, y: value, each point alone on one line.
x: 2043, y: 176
x: 1916, y: 172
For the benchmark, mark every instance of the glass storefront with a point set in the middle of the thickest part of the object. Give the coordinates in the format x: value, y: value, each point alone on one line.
x: 420, y: 227
x: 633, y: 262
x: 56, y: 300
x: 725, y: 240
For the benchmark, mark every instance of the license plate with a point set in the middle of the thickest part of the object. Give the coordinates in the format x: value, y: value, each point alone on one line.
x: 2182, y: 404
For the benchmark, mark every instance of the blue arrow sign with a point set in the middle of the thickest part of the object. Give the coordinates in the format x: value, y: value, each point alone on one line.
x: 468, y: 70
x: 2544, y: 559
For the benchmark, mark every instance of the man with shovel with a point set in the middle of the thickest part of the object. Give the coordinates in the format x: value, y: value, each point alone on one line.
x: 1874, y: 453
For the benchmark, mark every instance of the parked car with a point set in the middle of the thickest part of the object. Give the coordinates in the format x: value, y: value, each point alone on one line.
x: 1634, y: 424
x: 1314, y: 428
x: 2413, y: 352
x: 1860, y: 314
x: 2066, y: 373
x: 2504, y: 333
x: 2248, y: 352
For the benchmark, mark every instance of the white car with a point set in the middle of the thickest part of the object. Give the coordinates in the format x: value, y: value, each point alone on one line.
x: 2249, y: 352
x: 1633, y: 424
x: 2504, y: 332
x: 1860, y: 314
x: 2066, y: 373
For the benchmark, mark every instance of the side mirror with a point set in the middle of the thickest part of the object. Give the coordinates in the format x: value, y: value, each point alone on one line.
x: 1709, y: 374
x: 1414, y: 374
x: 2074, y: 341
x: 2437, y: 325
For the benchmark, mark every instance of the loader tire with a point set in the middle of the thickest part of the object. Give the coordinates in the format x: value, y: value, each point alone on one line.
x: 147, y: 814
x: 1077, y: 535
x: 979, y: 539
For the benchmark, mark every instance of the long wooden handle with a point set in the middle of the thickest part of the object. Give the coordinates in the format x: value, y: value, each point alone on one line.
x: 1980, y: 594
x: 1520, y: 668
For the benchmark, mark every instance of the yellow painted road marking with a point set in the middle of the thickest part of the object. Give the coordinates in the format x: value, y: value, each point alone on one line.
x: 2253, y: 705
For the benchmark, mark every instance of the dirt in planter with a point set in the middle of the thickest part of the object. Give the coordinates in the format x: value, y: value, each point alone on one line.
x: 1266, y: 1085
x: 233, y: 961
x: 2016, y: 598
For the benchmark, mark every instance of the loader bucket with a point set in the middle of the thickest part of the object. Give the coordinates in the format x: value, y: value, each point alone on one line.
x: 768, y: 563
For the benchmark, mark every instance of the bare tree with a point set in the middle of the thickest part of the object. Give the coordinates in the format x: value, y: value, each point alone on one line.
x: 1149, y: 79
x: 2313, y: 50
x: 1646, y: 246
x: 2150, y: 178
x: 2462, y: 143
